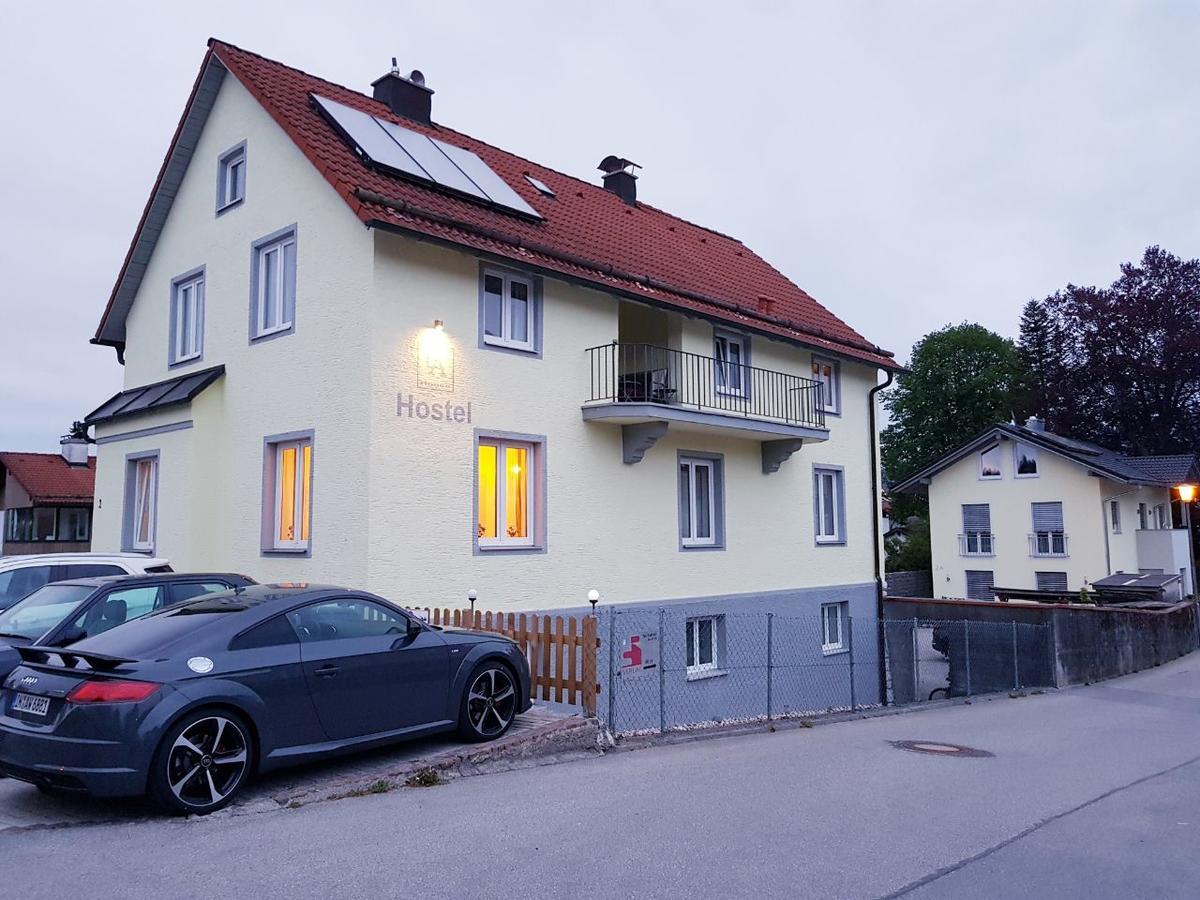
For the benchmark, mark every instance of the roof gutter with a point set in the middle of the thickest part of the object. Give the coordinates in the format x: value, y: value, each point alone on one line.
x: 406, y: 208
x: 876, y: 538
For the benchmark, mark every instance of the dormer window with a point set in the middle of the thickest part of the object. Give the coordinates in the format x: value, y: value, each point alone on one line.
x: 989, y: 462
x: 231, y: 177
x: 1025, y: 461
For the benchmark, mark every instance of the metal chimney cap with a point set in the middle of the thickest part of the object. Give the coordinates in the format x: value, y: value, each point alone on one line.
x: 613, y: 164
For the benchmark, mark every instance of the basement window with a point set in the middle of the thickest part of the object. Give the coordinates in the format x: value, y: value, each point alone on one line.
x: 704, y: 638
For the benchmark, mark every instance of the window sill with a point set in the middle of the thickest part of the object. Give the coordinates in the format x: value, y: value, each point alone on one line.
x: 286, y: 551
x: 232, y: 204
x: 501, y: 549
x: 830, y: 543
x: 278, y: 331
x: 977, y: 555
x: 705, y: 674
x: 834, y: 651
x: 692, y: 548
x: 185, y: 361
x: 523, y: 349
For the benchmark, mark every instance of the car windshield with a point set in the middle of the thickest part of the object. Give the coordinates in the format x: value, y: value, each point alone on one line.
x: 43, y: 609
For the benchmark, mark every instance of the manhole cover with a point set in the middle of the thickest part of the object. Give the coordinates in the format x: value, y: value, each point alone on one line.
x: 937, y: 748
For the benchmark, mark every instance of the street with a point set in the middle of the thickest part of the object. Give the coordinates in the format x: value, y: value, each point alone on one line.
x: 1090, y: 793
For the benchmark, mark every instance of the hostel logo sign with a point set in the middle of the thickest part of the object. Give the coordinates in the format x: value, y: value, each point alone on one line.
x: 435, y: 362
x: 639, y: 654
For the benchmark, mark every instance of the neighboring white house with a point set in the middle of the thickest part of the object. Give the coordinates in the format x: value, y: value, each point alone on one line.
x: 1022, y: 508
x: 364, y: 348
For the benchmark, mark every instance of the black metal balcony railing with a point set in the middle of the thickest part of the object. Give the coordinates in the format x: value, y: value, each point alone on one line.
x: 1048, y: 543
x: 645, y: 373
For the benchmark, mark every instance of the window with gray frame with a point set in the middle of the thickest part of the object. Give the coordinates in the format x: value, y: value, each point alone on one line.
x: 976, y: 539
x: 828, y: 376
x: 140, y: 514
x: 287, y: 493
x: 273, y: 285
x: 980, y: 584
x: 731, y: 355
x: 1114, y: 514
x: 1051, y: 581
x: 509, y: 500
x: 704, y: 638
x: 510, y: 311
x: 829, y: 505
x: 187, y: 318
x: 231, y: 177
x: 701, y: 501
x: 835, y: 625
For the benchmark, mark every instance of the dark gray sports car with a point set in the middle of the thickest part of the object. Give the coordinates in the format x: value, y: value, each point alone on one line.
x: 187, y: 703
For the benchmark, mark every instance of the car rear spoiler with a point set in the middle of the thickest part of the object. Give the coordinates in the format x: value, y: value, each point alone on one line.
x: 71, y: 659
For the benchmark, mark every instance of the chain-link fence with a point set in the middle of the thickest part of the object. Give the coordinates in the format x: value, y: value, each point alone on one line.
x: 678, y: 670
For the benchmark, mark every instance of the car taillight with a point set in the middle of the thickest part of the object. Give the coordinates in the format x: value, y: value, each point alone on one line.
x: 111, y: 691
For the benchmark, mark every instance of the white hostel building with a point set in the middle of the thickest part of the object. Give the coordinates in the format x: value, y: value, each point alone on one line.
x: 361, y: 347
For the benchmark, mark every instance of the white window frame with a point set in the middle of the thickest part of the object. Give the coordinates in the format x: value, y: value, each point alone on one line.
x: 502, y: 445
x: 693, y: 625
x: 1114, y: 516
x: 285, y: 320
x: 687, y: 535
x: 300, y: 510
x: 505, y: 339
x: 1032, y: 452
x: 834, y: 637
x: 145, y: 502
x: 829, y: 394
x: 193, y: 313
x: 836, y: 482
x: 999, y: 472
x: 723, y: 341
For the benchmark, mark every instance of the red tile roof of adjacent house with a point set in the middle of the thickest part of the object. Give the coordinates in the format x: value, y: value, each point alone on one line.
x: 587, y: 232
x: 49, y: 480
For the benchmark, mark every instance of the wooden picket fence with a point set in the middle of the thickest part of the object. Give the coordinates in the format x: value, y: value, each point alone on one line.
x: 561, y: 653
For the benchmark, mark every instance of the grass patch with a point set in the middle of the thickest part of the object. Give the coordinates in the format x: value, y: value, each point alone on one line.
x: 424, y: 778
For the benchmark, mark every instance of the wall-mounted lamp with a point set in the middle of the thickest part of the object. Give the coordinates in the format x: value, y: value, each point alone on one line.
x: 438, y: 325
x: 593, y: 598
x: 1187, y: 492
x: 472, y: 596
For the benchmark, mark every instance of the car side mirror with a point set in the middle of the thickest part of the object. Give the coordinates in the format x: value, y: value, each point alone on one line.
x: 414, y: 628
x: 70, y: 635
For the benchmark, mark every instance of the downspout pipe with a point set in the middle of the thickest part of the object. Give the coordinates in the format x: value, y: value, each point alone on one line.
x: 877, y: 538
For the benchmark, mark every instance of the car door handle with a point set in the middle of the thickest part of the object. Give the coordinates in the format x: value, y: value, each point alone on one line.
x: 327, y: 671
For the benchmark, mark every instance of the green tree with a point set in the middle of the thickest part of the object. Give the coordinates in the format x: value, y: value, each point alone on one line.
x: 1041, y: 349
x: 962, y: 379
x: 912, y: 553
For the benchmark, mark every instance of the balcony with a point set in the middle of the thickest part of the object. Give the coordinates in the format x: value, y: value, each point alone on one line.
x: 977, y: 543
x: 646, y: 388
x: 1048, y: 543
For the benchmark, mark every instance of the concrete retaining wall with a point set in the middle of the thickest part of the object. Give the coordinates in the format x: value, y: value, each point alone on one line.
x: 1089, y: 643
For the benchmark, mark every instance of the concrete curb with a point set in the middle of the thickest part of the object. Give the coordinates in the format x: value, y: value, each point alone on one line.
x: 567, y: 736
x: 688, y: 736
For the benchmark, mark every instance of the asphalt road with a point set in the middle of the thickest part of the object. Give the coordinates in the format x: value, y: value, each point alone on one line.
x: 1091, y: 792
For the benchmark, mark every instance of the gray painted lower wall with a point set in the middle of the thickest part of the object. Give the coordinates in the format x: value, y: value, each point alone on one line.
x: 803, y: 678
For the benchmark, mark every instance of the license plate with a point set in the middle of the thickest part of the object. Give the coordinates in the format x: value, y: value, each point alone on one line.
x: 28, y: 703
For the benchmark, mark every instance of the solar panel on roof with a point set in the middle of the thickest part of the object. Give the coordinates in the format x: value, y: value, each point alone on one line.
x: 364, y: 131
x: 489, y: 182
x: 439, y: 168
x: 418, y: 156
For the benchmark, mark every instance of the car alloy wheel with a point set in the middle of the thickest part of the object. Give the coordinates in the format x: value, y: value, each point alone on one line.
x: 491, y: 702
x: 207, y: 763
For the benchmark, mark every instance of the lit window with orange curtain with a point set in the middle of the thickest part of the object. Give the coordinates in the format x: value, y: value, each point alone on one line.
x: 505, y: 480
x: 293, y: 494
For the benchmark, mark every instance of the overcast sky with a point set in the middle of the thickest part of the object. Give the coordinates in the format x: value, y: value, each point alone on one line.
x: 908, y: 164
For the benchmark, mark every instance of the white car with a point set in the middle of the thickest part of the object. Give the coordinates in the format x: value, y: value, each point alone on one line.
x: 22, y: 575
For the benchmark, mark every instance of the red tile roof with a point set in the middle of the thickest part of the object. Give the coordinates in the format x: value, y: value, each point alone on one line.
x: 48, y: 479
x: 587, y: 232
